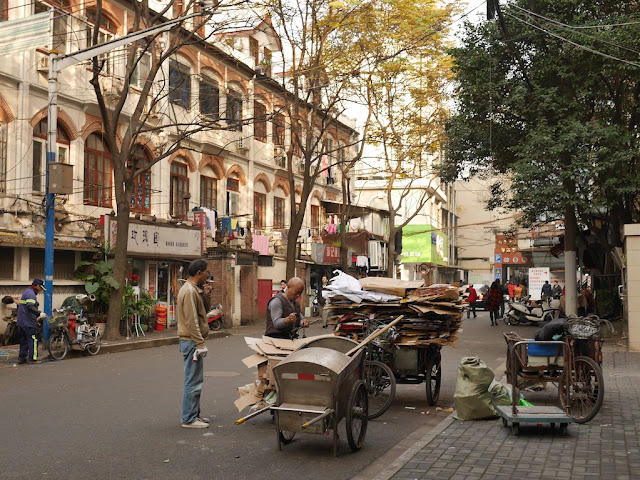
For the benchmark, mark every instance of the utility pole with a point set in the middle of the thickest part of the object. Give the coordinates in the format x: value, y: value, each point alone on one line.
x: 56, y: 64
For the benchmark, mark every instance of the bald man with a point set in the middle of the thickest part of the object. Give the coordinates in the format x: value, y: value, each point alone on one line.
x: 283, y: 312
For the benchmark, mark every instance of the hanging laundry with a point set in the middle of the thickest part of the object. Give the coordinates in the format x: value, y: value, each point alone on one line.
x: 261, y: 244
x: 226, y: 226
x: 325, y: 166
x: 234, y: 224
x: 211, y: 221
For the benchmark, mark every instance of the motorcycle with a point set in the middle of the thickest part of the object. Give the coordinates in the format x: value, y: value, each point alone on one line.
x: 13, y: 333
x: 532, y: 312
x: 215, y: 318
x: 61, y: 340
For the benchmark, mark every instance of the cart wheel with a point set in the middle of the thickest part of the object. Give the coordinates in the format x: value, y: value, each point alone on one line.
x: 433, y: 378
x: 381, y: 387
x: 583, y: 394
x: 504, y: 422
x: 563, y: 429
x: 515, y: 428
x: 356, y: 415
x: 286, y: 437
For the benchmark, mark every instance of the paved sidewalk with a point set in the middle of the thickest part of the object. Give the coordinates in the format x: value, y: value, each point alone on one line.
x: 608, y: 447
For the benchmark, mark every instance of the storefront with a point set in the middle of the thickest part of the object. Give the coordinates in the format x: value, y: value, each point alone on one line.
x: 158, y: 257
x: 424, y: 253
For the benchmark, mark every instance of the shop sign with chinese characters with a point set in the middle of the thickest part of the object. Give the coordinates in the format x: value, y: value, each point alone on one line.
x: 158, y: 240
x: 506, y: 252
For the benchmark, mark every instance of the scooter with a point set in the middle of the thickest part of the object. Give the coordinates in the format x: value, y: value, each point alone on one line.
x: 215, y: 318
x: 61, y: 340
x: 532, y: 312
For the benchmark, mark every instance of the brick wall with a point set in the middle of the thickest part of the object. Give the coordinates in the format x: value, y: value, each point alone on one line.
x: 249, y: 294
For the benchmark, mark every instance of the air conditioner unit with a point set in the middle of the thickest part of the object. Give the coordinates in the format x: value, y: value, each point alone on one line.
x: 241, y: 146
x: 43, y: 64
x: 300, y: 165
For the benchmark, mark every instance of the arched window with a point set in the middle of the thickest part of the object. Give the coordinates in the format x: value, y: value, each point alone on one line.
x: 179, y: 194
x: 141, y: 198
x: 39, y: 164
x: 97, y: 172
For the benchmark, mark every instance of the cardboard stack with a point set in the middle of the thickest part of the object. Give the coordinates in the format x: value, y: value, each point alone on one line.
x: 432, y: 315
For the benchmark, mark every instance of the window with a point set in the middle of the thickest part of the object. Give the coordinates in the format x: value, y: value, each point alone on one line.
x: 6, y: 265
x: 60, y: 22
x: 97, y: 172
x: 179, y: 84
x: 315, y: 216
x: 233, y: 196
x: 179, y: 190
x: 209, y: 192
x: 234, y: 110
x: 260, y: 122
x: 254, y: 50
x: 259, y: 210
x: 63, y: 267
x: 38, y: 170
x: 106, y: 32
x: 278, y: 212
x: 141, y: 198
x: 141, y: 71
x: 278, y: 129
x: 209, y: 99
x: 3, y: 156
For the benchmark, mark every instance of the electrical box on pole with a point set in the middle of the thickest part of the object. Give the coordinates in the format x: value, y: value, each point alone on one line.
x: 60, y: 178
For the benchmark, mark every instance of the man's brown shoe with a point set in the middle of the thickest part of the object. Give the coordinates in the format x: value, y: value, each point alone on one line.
x: 22, y: 361
x: 34, y: 361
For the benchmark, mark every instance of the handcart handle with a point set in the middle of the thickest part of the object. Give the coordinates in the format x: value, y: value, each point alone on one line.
x: 374, y: 335
x: 251, y: 415
x: 326, y: 413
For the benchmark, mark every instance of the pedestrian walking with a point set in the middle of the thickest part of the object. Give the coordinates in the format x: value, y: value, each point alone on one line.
x: 512, y: 289
x: 192, y: 331
x: 546, y: 290
x: 504, y: 291
x: 324, y: 314
x: 28, y: 316
x: 471, y: 300
x: 492, y: 303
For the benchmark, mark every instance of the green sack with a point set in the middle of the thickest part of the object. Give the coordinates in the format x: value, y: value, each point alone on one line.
x: 472, y: 398
x: 500, y: 393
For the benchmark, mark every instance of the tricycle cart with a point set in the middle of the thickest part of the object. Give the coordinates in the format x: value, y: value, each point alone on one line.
x: 387, y: 364
x: 546, y: 366
x: 573, y: 364
x: 318, y: 387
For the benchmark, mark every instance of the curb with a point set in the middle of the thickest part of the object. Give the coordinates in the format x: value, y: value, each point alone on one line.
x: 154, y: 342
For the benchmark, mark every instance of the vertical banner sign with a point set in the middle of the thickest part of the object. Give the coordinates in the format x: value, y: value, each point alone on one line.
x: 200, y: 218
x: 537, y: 277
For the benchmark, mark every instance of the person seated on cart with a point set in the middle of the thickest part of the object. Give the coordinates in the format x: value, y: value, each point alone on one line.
x: 283, y: 312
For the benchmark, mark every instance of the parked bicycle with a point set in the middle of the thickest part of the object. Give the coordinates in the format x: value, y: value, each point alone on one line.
x: 61, y: 340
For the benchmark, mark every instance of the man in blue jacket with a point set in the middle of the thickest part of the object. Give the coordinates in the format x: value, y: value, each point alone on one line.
x: 28, y: 315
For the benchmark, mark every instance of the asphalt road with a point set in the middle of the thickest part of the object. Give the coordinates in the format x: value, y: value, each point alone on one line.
x: 118, y: 416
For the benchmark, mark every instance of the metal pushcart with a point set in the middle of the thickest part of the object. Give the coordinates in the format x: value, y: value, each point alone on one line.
x: 318, y: 387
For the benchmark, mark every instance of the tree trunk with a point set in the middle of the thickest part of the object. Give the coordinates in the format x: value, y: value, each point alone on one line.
x: 119, y: 270
x: 391, y: 251
x: 570, y: 227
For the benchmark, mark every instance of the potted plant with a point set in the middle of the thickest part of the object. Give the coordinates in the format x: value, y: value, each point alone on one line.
x: 99, y: 282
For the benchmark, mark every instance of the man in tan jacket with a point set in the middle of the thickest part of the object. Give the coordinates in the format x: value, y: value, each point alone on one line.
x: 192, y: 331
